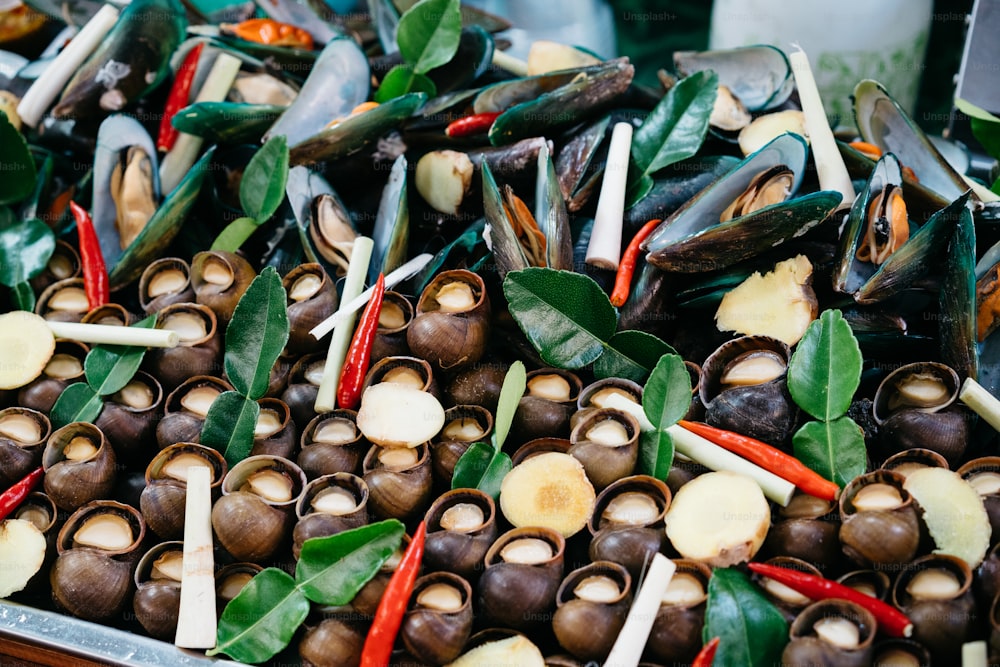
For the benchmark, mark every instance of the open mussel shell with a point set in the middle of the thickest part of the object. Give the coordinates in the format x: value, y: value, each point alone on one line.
x: 199, y: 351
x: 399, y: 480
x: 573, y: 164
x: 524, y: 568
x: 957, y: 301
x: 227, y: 122
x: 331, y: 443
x: 676, y: 632
x: 391, y: 235
x: 882, y: 122
x: 591, y: 605
x: 312, y: 298
x: 627, y: 522
x: 463, y: 425
x: 831, y: 632
x: 879, y: 522
x: 165, y: 282
x: 80, y: 465
x: 606, y: 442
x: 186, y: 408
x: 63, y: 301
x: 64, y: 368
x: 758, y: 75
x: 917, y: 406
x: 438, y: 622
x: 157, y: 598
x: 694, y: 232
x: 329, y: 505
x: 547, y: 406
x: 461, y: 527
x: 326, y: 230
x: 163, y: 500
x: 23, y: 433
x: 129, y: 418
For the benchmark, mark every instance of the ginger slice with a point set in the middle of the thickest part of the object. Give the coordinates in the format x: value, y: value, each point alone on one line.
x: 549, y: 490
x: 26, y: 345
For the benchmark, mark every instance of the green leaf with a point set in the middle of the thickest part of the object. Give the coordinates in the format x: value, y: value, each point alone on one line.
x: 514, y: 384
x: 667, y: 394
x: 256, y: 334
x: 331, y: 570
x: 229, y: 426
x: 403, y: 79
x: 985, y: 126
x: 481, y: 467
x: 23, y: 296
x: 656, y: 454
x: 834, y: 449
x: 673, y: 131
x: 825, y: 369
x: 77, y: 403
x: 263, y: 185
x: 261, y: 620
x: 752, y: 630
x: 630, y: 354
x: 18, y: 178
x: 429, y: 33
x: 25, y: 249
x: 235, y: 234
x: 108, y: 368
x: 565, y: 315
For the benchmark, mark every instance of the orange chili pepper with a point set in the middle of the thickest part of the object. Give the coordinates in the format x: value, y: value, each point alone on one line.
x: 270, y: 32
x: 868, y: 150
x: 626, y: 267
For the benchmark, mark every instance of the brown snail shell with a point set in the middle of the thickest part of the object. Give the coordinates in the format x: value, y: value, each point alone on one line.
x: 275, y: 433
x: 398, y: 492
x: 908, y: 460
x: 73, y: 479
x: 787, y: 600
x: 39, y: 509
x: 696, y: 411
x: 477, y: 385
x: 459, y: 545
x: 130, y: 416
x: 157, y: 598
x: 412, y: 370
x: 164, y: 282
x: 472, y: 423
x: 875, y: 583
x: 366, y: 602
x: 588, y: 618
x: 185, y: 409
x: 249, y: 526
x: 895, y: 651
x: 63, y: 369
x: 63, y: 301
x: 438, y: 621
x: 521, y: 595
x: 394, y: 322
x: 333, y: 642
x: 109, y: 314
x: 945, y: 620
x: 90, y: 582
x: 879, y: 537
x: 219, y: 279
x: 547, y: 406
x: 540, y: 446
x: 302, y: 386
x: 928, y: 417
x: 984, y: 475
x: 987, y: 582
x: 807, y: 645
x: 763, y: 410
x: 63, y: 263
x: 311, y: 298
x: 230, y: 580
x: 676, y: 633
x: 23, y: 433
x: 451, y: 338
x: 807, y: 528
x: 606, y: 442
x: 331, y: 443
x: 277, y: 380
x: 199, y: 351
x: 163, y: 499
x: 627, y: 523
x: 596, y: 394
x: 318, y: 520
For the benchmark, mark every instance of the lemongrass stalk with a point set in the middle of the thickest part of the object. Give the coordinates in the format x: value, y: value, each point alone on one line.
x: 47, y: 87
x: 183, y: 155
x: 829, y: 164
x: 631, y: 641
x: 354, y: 283
x: 505, y: 61
x: 106, y: 334
x: 980, y: 401
x: 974, y: 654
x: 196, y: 620
x: 605, y: 247
x: 394, y: 278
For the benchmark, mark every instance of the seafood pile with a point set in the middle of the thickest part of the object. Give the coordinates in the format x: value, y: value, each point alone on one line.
x: 609, y: 332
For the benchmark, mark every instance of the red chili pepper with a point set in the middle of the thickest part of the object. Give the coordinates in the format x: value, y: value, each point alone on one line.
x: 768, y: 457
x: 180, y: 95
x: 707, y: 654
x: 13, y: 496
x: 359, y: 353
x: 392, y: 606
x: 477, y: 123
x: 892, y: 621
x: 626, y: 267
x: 95, y: 275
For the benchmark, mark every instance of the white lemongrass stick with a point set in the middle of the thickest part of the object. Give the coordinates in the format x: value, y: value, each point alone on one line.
x: 980, y: 401
x: 182, y: 156
x: 605, y: 247
x: 631, y: 641
x: 196, y: 624
x: 106, y: 334
x: 974, y: 654
x: 394, y: 278
x: 505, y: 61
x: 829, y: 164
x: 47, y: 87
x: 354, y: 283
